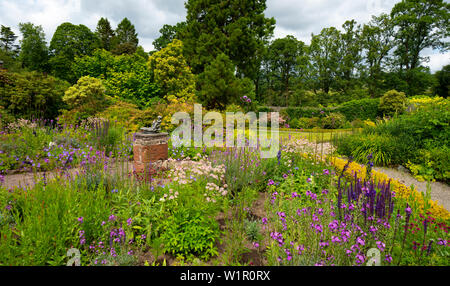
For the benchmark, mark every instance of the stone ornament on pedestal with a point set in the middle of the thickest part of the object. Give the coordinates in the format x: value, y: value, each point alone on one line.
x: 148, y: 148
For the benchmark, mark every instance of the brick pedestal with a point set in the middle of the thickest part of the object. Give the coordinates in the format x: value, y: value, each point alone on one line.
x: 149, y: 148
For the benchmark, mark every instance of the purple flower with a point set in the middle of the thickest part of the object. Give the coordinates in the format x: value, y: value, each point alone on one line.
x: 388, y: 258
x: 360, y: 259
x: 326, y: 172
x: 359, y: 240
x: 129, y: 221
x: 112, y: 218
x: 80, y: 219
x: 381, y: 245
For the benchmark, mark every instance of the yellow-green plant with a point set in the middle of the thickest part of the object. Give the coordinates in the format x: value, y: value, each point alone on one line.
x: 172, y: 73
x: 87, y: 90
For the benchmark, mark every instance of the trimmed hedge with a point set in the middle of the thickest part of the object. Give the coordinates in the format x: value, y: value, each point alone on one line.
x: 367, y: 108
x: 363, y: 109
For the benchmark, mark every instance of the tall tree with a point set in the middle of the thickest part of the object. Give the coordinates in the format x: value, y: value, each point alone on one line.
x: 377, y: 42
x: 168, y: 34
x: 284, y: 56
x: 126, y: 40
x: 105, y: 33
x: 219, y: 86
x: 443, y: 81
x: 420, y: 24
x: 351, y: 55
x: 33, y: 47
x: 325, y: 56
x: 7, y: 40
x: 70, y: 41
x: 234, y: 27
x: 172, y: 74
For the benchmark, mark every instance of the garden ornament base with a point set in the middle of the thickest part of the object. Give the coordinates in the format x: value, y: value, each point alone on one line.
x: 149, y: 148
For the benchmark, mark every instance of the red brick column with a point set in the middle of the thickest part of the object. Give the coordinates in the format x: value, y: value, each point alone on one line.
x: 149, y: 148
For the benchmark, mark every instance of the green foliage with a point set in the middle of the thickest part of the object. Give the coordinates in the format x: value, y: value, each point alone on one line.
x: 235, y: 28
x: 426, y: 132
x: 87, y: 91
x: 377, y: 40
x: 363, y: 109
x: 125, y: 76
x: 106, y: 136
x: 171, y: 72
x: 45, y: 220
x: 123, y: 114
x: 443, y: 78
x: 189, y: 232
x: 7, y: 40
x: 68, y: 42
x: 220, y: 87
x: 33, y: 48
x: 283, y: 57
x: 31, y: 94
x: 432, y: 164
x: 392, y: 102
x: 105, y: 33
x: 125, y: 40
x: 333, y: 121
x: 252, y: 230
x: 384, y: 149
x: 168, y: 34
x: 324, y: 57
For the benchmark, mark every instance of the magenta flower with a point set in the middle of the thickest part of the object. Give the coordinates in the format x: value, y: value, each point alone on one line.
x: 359, y: 240
x: 388, y: 258
x: 360, y: 259
x: 381, y: 245
x: 80, y: 219
x: 326, y: 172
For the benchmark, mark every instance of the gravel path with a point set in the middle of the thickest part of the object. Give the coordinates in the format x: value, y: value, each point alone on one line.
x: 440, y: 192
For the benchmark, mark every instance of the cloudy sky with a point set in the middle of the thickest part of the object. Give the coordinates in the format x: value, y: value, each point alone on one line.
x: 294, y: 17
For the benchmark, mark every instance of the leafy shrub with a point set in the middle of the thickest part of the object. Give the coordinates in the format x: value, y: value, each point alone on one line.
x: 87, y: 90
x: 432, y: 164
x: 357, y: 123
x: 366, y: 108
x: 124, y: 76
x: 385, y: 149
x: 263, y: 109
x: 31, y: 95
x: 298, y: 112
x: 392, y: 102
x: 123, y: 113
x: 314, y: 122
x: 333, y: 121
x: 189, y: 232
